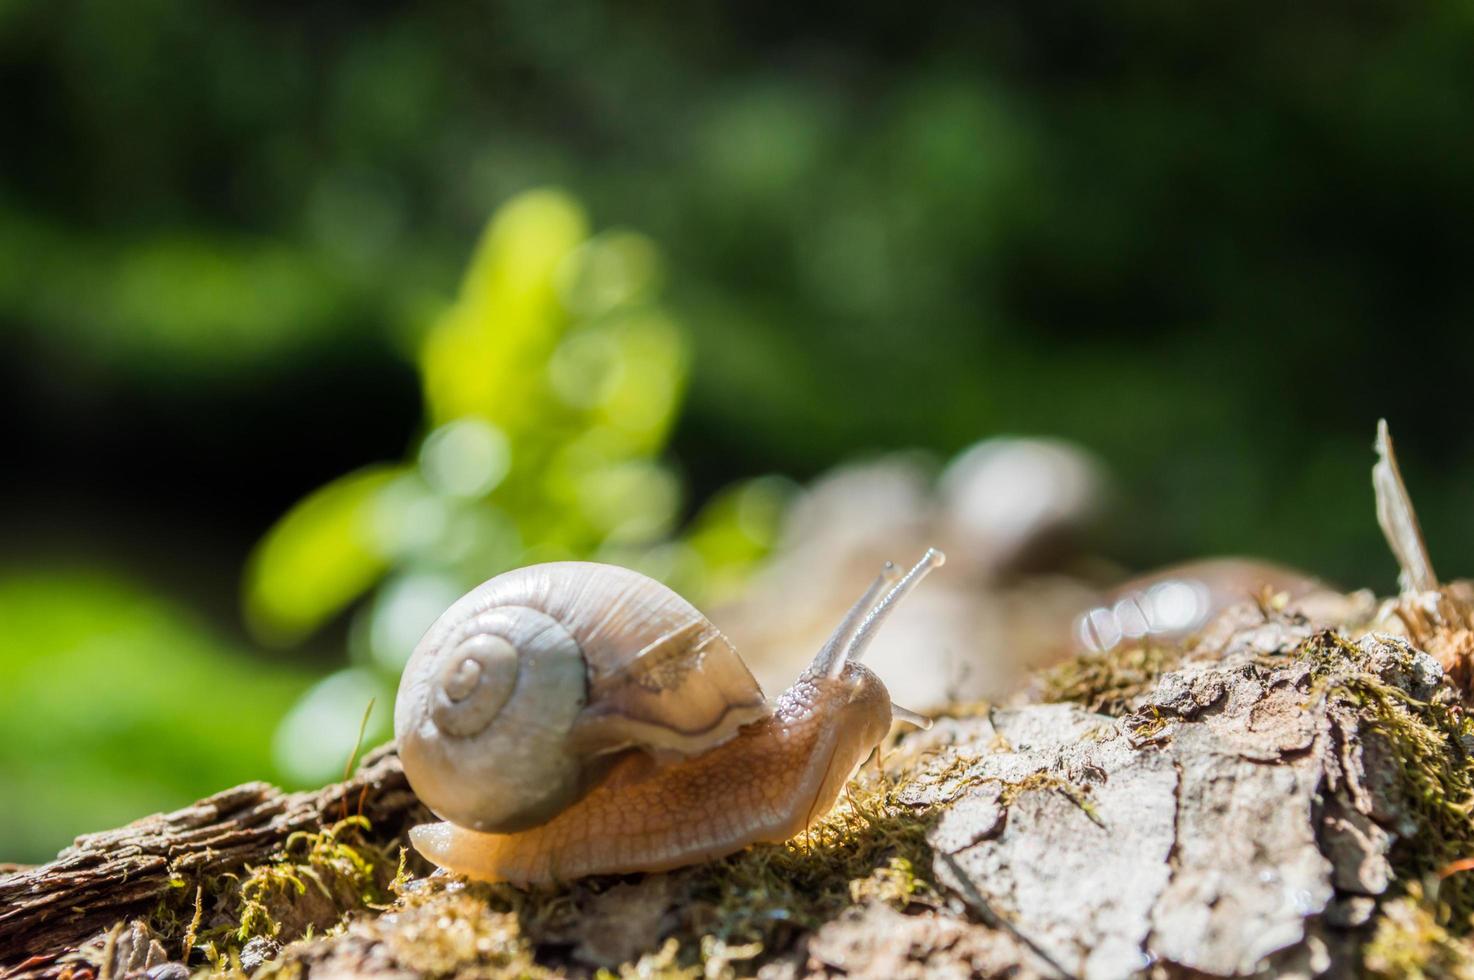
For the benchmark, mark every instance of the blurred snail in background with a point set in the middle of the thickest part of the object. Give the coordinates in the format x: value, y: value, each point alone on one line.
x: 1015, y: 514
x: 1173, y: 602
x: 574, y: 718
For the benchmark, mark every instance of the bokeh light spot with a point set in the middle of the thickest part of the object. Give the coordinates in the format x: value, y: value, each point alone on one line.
x: 466, y: 458
x: 317, y: 736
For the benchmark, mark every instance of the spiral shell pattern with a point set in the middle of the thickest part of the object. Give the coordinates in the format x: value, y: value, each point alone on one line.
x: 513, y: 701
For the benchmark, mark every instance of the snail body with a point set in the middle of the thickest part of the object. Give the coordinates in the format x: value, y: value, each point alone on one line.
x: 573, y: 718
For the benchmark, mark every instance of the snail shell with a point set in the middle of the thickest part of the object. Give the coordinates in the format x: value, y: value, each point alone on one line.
x: 522, y: 691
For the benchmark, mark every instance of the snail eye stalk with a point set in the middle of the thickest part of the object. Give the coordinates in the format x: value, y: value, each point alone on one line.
x: 876, y: 617
x: 830, y: 660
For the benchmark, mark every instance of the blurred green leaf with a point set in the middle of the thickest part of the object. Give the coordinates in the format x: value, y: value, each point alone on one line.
x: 318, y: 558
x: 465, y: 458
x: 117, y: 703
x: 643, y: 397
x: 737, y: 529
x: 485, y: 356
x: 610, y: 270
x: 163, y: 302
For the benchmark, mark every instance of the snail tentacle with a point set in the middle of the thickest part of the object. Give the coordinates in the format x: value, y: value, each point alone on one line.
x: 830, y: 660
x: 855, y: 649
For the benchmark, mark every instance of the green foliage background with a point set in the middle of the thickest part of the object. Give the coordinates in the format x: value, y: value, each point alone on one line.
x: 1212, y: 243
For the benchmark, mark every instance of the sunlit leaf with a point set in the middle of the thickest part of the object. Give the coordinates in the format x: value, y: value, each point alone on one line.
x: 632, y: 501
x: 465, y: 458
x: 736, y: 529
x: 552, y: 384
x: 318, y: 558
x: 645, y: 396
x: 610, y: 270
x: 629, y: 374
x: 486, y: 356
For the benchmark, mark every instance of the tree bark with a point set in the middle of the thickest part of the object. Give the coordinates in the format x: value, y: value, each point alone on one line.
x: 116, y: 874
x: 1243, y: 814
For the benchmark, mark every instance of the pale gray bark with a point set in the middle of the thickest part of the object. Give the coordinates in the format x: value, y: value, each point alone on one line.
x: 1224, y: 827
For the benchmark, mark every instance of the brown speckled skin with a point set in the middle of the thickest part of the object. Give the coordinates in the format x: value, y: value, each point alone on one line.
x: 766, y: 784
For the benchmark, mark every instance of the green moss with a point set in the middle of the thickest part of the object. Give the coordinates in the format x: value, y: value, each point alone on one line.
x: 725, y: 917
x: 308, y: 887
x: 1329, y: 652
x: 868, y: 847
x: 318, y: 877
x: 1434, y: 782
x: 448, y: 931
x: 1412, y: 942
x: 1148, y: 726
x: 1108, y: 682
x: 1427, y: 744
x: 663, y: 964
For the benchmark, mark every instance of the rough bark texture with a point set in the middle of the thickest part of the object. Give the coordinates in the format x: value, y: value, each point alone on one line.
x: 108, y: 876
x: 1242, y: 816
x: 1222, y: 828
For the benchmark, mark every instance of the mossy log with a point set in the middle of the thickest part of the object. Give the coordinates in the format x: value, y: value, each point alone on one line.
x: 1254, y: 805
x: 103, y: 878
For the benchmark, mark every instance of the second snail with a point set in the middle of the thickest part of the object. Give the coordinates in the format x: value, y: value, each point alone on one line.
x: 573, y: 718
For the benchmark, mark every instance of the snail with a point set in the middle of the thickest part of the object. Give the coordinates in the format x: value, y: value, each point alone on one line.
x: 573, y: 718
